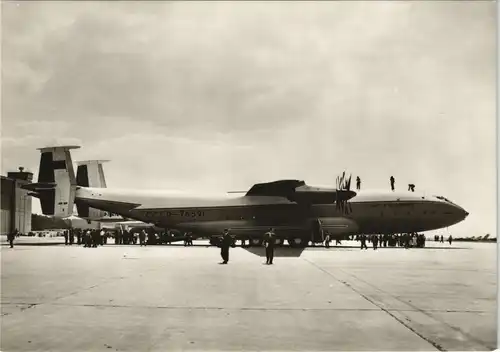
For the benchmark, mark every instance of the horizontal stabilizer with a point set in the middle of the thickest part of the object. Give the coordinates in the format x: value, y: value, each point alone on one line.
x: 39, y: 186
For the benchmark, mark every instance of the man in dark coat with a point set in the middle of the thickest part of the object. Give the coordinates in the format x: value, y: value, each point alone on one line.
x: 142, y: 238
x: 11, y: 236
x: 225, y: 243
x: 362, y: 239
x: 269, y: 243
x: 71, y: 236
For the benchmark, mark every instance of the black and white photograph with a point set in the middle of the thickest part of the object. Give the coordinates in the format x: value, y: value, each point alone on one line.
x: 248, y: 176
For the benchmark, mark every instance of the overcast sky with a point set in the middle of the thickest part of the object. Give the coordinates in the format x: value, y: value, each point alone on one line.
x: 218, y: 96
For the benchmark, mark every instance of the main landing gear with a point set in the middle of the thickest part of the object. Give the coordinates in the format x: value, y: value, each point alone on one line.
x: 297, y: 242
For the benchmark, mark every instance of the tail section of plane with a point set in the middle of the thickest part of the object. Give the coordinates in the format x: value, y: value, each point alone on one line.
x: 56, y: 186
x: 90, y: 173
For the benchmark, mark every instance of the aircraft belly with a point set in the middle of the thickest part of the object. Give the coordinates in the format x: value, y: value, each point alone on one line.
x: 243, y: 228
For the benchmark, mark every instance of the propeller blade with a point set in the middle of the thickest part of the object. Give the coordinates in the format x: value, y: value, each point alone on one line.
x: 344, y: 193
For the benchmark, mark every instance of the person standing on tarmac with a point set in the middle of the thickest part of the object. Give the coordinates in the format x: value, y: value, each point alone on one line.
x: 225, y: 243
x: 96, y: 239
x: 358, y: 183
x: 450, y: 239
x: 71, y: 236
x: 362, y: 239
x: 86, y: 239
x: 327, y: 240
x: 142, y: 238
x: 375, y: 242
x: 392, y: 183
x: 407, y: 240
x: 11, y: 236
x: 269, y: 242
x: 101, y: 237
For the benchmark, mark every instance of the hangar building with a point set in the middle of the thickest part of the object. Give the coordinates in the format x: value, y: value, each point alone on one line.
x: 15, y: 207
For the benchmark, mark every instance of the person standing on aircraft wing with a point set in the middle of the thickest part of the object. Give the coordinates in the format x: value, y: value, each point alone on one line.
x: 392, y: 183
x: 358, y: 183
x: 269, y: 242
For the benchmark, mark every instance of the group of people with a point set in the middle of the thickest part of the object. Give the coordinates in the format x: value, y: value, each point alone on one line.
x: 90, y: 238
x: 437, y: 238
x: 227, y: 241
x: 152, y: 237
x: 392, y: 181
x: 405, y: 240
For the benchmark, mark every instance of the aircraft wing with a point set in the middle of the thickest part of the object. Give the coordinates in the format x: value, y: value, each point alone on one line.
x: 300, y: 192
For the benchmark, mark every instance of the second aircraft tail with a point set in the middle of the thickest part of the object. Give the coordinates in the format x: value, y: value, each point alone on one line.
x: 90, y: 173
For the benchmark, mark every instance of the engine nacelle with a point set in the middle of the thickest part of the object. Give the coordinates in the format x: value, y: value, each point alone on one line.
x: 320, y: 195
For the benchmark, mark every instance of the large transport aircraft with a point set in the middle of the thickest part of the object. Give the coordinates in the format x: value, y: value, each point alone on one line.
x: 294, y: 209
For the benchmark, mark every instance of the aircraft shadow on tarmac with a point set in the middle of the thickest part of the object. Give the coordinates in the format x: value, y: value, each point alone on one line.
x: 278, y: 252
x: 259, y: 251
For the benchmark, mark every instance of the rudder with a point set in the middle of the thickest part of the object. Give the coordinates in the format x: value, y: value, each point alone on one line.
x: 56, y: 186
x: 90, y: 173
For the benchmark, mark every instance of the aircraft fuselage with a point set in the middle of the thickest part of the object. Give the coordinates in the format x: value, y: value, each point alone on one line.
x: 372, y: 212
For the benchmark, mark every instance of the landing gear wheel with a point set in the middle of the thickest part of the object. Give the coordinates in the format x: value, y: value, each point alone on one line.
x: 255, y: 242
x: 297, y: 242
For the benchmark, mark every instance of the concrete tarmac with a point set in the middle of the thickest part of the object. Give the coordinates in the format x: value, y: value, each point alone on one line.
x: 166, y: 298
